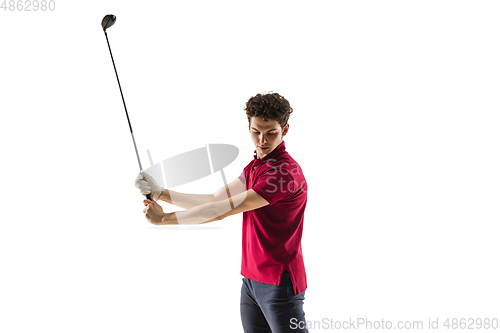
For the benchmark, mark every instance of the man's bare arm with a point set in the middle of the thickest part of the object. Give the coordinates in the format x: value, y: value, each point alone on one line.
x: 217, y: 210
x: 245, y: 201
x: 184, y: 200
x: 187, y: 201
x: 233, y: 188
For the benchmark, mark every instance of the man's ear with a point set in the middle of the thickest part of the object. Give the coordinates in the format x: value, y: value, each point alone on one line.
x: 285, y: 129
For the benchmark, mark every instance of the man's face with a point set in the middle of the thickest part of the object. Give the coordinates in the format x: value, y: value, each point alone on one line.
x: 266, y: 135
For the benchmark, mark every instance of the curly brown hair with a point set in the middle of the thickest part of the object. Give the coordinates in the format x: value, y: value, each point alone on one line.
x: 269, y: 106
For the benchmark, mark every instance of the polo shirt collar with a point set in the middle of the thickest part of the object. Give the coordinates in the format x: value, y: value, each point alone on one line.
x: 279, y: 149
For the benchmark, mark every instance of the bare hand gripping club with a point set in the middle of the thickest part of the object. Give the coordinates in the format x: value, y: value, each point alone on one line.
x: 107, y: 22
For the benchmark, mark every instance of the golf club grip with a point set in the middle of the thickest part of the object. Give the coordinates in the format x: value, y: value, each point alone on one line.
x: 148, y: 196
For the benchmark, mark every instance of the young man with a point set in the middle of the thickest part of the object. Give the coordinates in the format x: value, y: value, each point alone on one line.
x: 272, y: 194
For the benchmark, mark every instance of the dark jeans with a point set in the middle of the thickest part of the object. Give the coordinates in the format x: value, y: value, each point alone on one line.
x: 266, y: 308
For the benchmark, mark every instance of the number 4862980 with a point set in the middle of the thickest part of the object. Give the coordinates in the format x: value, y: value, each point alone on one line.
x: 28, y: 5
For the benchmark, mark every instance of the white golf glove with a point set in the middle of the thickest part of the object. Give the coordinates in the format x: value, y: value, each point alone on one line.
x: 147, y: 184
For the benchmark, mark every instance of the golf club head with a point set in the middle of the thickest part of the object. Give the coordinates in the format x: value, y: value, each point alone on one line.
x: 108, y: 21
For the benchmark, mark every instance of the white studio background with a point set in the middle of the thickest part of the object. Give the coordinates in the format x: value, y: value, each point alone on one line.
x: 395, y: 125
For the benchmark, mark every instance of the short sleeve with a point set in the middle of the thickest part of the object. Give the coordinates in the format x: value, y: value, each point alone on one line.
x: 242, y: 177
x: 274, y: 186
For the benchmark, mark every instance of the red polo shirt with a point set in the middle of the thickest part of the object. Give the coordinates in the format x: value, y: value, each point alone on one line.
x: 272, y: 234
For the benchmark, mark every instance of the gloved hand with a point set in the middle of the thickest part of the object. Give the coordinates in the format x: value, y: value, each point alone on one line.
x: 147, y: 184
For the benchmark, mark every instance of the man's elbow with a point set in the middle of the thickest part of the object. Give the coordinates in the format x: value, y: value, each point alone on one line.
x: 221, y: 209
x: 211, y: 212
x: 208, y: 213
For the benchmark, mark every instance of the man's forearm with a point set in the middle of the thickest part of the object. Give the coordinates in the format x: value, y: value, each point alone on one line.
x: 216, y: 210
x: 204, y: 213
x: 185, y: 201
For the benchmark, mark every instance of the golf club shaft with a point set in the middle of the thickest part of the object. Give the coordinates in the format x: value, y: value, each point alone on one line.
x: 125, y: 106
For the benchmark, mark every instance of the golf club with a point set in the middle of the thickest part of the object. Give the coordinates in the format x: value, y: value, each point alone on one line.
x: 107, y: 22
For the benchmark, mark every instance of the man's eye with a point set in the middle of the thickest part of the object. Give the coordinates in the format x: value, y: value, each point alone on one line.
x: 273, y: 133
